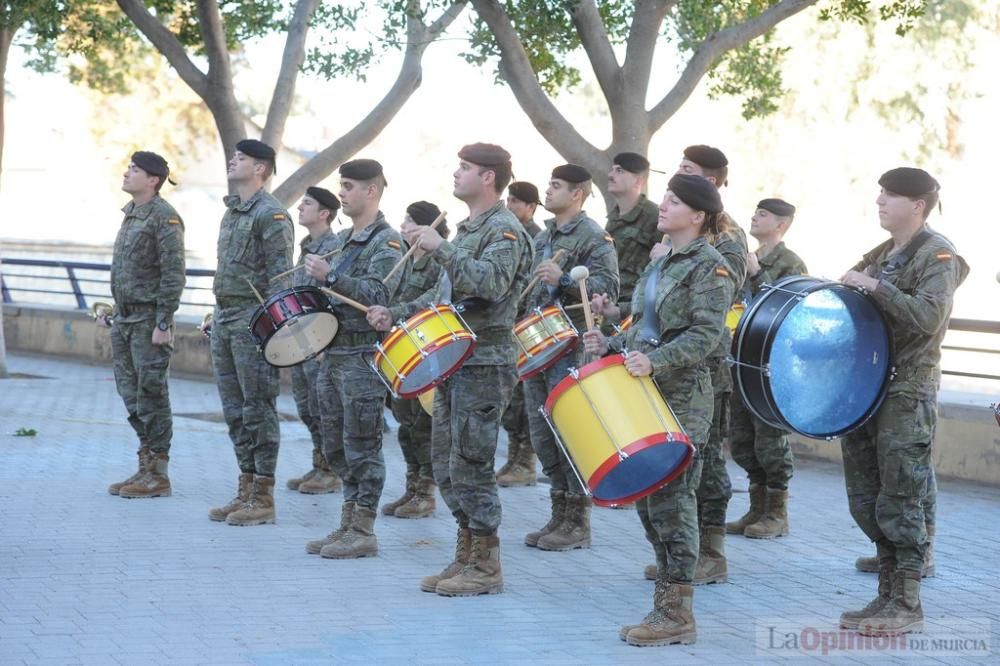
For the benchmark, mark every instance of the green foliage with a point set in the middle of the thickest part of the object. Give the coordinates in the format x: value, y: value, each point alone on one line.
x: 25, y: 432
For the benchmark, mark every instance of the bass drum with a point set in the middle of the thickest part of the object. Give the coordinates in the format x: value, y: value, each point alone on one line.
x: 812, y: 356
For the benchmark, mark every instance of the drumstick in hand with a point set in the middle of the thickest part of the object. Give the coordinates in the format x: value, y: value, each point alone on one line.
x: 438, y: 220
x: 531, y: 285
x: 580, y: 274
x: 289, y: 272
x: 350, y: 301
x: 255, y: 292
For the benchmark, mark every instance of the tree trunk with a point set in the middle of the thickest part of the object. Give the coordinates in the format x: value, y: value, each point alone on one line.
x: 3, y: 345
x: 6, y: 38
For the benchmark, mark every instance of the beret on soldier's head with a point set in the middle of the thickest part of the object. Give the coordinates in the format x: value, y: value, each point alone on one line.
x: 696, y: 192
x: 362, y: 169
x: 779, y: 207
x: 571, y: 173
x: 324, y: 197
x: 255, y: 148
x: 632, y: 162
x: 151, y: 163
x: 524, y: 191
x: 706, y: 157
x: 484, y: 154
x: 424, y: 213
x: 908, y: 181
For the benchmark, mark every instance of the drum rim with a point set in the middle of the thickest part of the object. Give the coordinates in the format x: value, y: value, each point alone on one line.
x: 419, y: 318
x: 642, y: 444
x: 397, y: 383
x: 573, y: 340
x: 581, y: 373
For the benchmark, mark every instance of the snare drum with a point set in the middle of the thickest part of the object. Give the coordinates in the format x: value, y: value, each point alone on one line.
x: 293, y: 326
x: 623, y: 439
x: 423, y: 351
x: 812, y: 356
x: 544, y: 336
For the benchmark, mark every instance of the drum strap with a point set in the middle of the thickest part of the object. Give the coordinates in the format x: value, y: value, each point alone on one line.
x: 648, y: 328
x: 898, y: 260
x: 351, y: 255
x: 546, y: 255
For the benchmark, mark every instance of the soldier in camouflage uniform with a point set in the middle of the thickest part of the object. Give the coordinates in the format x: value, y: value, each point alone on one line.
x: 255, y: 244
x: 423, y: 272
x: 761, y: 449
x: 351, y: 396
x: 317, y: 210
x: 690, y: 294
x: 147, y: 278
x: 912, y: 277
x: 583, y: 243
x: 519, y: 470
x: 487, y: 261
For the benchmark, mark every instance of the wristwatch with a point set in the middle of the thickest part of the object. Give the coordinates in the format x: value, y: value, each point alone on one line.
x: 565, y: 281
x: 331, y: 278
x: 163, y: 325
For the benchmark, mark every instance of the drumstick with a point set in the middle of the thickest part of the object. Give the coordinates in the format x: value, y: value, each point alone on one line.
x: 255, y: 292
x: 580, y: 275
x: 531, y: 285
x: 289, y: 272
x: 438, y: 220
x: 350, y: 301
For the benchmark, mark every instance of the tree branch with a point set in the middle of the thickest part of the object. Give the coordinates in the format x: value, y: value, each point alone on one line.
x: 291, y: 62
x: 589, y: 26
x: 165, y: 42
x: 713, y: 48
x: 645, y: 28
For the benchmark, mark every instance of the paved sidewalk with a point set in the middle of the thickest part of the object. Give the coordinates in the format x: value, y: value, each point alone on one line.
x: 87, y: 578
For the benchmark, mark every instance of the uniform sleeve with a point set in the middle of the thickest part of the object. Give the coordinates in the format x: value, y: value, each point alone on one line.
x: 369, y: 288
x: 491, y: 275
x: 277, y: 242
x: 711, y: 297
x: 929, y: 306
x: 170, y: 247
x: 602, y: 262
x: 734, y: 252
x: 786, y: 265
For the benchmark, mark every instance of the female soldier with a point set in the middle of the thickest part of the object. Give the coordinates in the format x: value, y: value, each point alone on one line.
x: 679, y: 306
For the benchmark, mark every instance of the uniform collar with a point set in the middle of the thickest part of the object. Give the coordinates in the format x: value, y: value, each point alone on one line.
x: 363, y: 235
x: 472, y: 224
x: 772, y: 256
x: 234, y: 202
x: 140, y: 212
x: 567, y: 228
x: 632, y: 214
x: 308, y: 242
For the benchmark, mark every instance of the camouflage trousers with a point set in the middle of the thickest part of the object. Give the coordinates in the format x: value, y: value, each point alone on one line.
x: 670, y: 518
x: 306, y: 397
x: 556, y: 465
x: 351, y: 404
x: 414, y: 437
x: 467, y: 412
x: 715, y: 489
x: 141, y: 370
x: 889, y: 474
x: 248, y: 388
x: 762, y: 450
x: 515, y: 419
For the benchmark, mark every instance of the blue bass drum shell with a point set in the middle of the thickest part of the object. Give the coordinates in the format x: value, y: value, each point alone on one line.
x: 812, y: 356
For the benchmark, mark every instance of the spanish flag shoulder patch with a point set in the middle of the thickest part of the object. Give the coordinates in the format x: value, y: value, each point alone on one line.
x: 509, y: 235
x: 721, y: 271
x: 943, y: 255
x: 393, y: 244
x: 280, y: 216
x: 173, y: 220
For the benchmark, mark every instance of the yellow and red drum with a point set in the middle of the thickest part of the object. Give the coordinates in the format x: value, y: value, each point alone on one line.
x: 423, y: 351
x: 544, y: 336
x: 620, y: 434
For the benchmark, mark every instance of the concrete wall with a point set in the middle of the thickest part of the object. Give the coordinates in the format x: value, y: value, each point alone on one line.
x: 967, y: 445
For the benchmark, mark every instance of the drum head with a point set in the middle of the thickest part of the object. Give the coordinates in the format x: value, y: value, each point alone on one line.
x: 301, y: 338
x: 546, y: 358
x: 829, y: 362
x: 436, y: 367
x: 650, y: 465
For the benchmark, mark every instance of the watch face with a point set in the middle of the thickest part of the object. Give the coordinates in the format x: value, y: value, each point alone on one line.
x: 163, y: 326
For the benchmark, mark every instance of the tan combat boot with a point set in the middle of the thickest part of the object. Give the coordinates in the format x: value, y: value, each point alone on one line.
x: 903, y: 614
x: 650, y: 573
x: 259, y: 510
x: 558, y: 499
x: 774, y: 521
x: 463, y: 544
x: 323, y: 482
x: 359, y: 539
x: 521, y: 471
x: 753, y: 514
x: 711, y: 566
x: 513, y: 446
x: 870, y: 564
x: 423, y: 502
x: 574, y: 531
x: 482, y: 574
x: 852, y: 619
x: 411, y: 488
x: 318, y: 462
x: 672, y: 619
x: 155, y: 483
x: 219, y: 513
x: 143, y: 453
x: 346, y: 515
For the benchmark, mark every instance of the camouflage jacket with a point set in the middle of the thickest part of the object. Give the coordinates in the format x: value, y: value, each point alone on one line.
x: 916, y: 300
x: 584, y: 244
x: 693, y: 293
x: 421, y: 276
x: 778, y: 263
x: 733, y: 247
x: 381, y: 248
x: 488, y: 259
x: 634, y: 234
x: 255, y: 244
x: 147, y: 270
x: 328, y: 242
x: 532, y: 228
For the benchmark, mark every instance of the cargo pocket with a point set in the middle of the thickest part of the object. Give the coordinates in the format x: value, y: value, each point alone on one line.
x: 479, y: 433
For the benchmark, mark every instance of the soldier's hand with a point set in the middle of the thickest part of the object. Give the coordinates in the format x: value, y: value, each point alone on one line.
x: 638, y: 364
x: 753, y: 264
x: 549, y: 272
x: 316, y: 267
x: 379, y: 317
x: 860, y: 280
x: 601, y: 305
x: 595, y: 343
x: 658, y: 250
x: 430, y: 239
x: 161, y: 338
